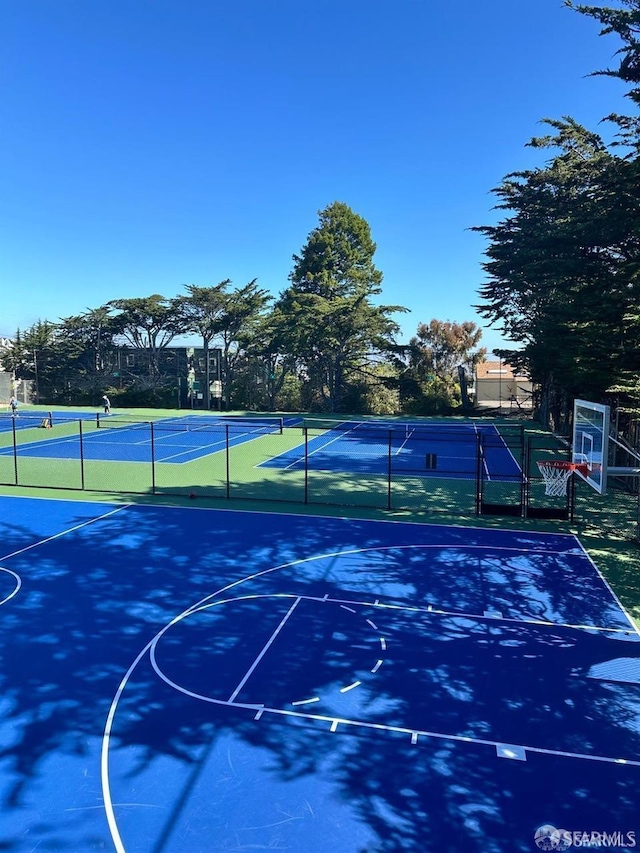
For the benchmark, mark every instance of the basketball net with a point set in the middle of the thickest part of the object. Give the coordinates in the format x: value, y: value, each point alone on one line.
x: 556, y: 474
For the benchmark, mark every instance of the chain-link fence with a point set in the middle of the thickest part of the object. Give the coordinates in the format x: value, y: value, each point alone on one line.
x: 458, y: 470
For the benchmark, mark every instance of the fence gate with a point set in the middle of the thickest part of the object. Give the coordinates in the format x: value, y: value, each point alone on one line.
x: 500, y: 476
x: 537, y: 503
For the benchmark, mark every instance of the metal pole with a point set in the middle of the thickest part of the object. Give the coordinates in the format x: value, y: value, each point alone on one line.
x: 226, y: 430
x: 306, y: 466
x: 479, y: 461
x: 35, y: 366
x: 81, y: 454
x: 389, y: 472
x: 15, y: 452
x: 153, y: 460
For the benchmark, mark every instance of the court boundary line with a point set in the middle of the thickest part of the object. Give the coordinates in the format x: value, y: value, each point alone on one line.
x: 94, y: 438
x: 12, y: 492
x: 66, y: 531
x: 335, y: 720
x: 109, y: 806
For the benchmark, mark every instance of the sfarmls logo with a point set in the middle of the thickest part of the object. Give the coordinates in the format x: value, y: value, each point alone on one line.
x: 547, y: 837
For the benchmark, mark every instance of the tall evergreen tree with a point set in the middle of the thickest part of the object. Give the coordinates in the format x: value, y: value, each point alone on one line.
x: 333, y: 324
x: 564, y: 264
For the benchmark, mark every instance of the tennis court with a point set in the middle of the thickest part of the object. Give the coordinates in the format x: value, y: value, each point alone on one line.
x: 429, y: 450
x: 182, y: 680
x: 34, y: 418
x: 173, y: 440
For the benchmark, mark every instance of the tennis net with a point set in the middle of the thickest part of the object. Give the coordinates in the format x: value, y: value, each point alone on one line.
x: 259, y: 426
x: 395, y: 428
x: 25, y: 421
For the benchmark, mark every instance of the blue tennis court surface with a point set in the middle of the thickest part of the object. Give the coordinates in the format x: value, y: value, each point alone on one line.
x: 427, y: 450
x: 175, y: 441
x: 183, y: 680
x: 27, y: 418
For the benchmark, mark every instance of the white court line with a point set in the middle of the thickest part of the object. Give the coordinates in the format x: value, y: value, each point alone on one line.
x: 632, y: 624
x: 350, y: 687
x: 18, y: 582
x: 43, y: 442
x: 500, y: 436
x: 264, y: 650
x: 208, y: 447
x: 415, y: 733
x: 317, y: 450
x: 109, y: 805
x: 410, y: 608
x: 465, y: 614
x: 64, y: 532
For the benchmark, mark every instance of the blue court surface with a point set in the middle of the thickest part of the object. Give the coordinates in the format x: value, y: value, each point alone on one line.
x: 27, y: 418
x: 368, y: 449
x: 181, y: 680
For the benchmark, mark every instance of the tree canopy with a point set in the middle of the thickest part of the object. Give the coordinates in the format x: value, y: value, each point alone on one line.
x: 324, y: 344
x: 562, y: 264
x: 333, y: 324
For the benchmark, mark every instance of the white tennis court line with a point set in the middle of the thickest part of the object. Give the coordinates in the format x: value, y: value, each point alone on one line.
x: 464, y: 475
x: 236, y: 439
x: 99, y: 438
x: 310, y: 453
x: 306, y: 455
x: 43, y: 442
x: 201, y: 449
x: 500, y: 436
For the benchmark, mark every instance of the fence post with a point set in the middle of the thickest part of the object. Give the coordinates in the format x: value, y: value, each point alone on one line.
x: 153, y: 460
x: 306, y: 465
x: 526, y: 478
x: 81, y: 453
x: 389, y: 471
x: 15, y: 451
x: 479, y: 463
x: 226, y: 430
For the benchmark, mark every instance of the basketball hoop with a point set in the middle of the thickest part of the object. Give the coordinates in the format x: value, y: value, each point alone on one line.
x: 556, y: 473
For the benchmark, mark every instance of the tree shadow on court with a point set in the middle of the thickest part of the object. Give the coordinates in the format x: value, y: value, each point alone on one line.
x: 91, y: 601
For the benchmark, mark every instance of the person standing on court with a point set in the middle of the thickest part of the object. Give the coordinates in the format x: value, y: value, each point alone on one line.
x: 13, y: 402
x: 107, y: 405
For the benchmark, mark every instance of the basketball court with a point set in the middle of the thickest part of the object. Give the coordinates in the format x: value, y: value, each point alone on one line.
x: 197, y: 680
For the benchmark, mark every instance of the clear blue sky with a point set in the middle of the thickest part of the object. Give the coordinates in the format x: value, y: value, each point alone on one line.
x: 147, y: 144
